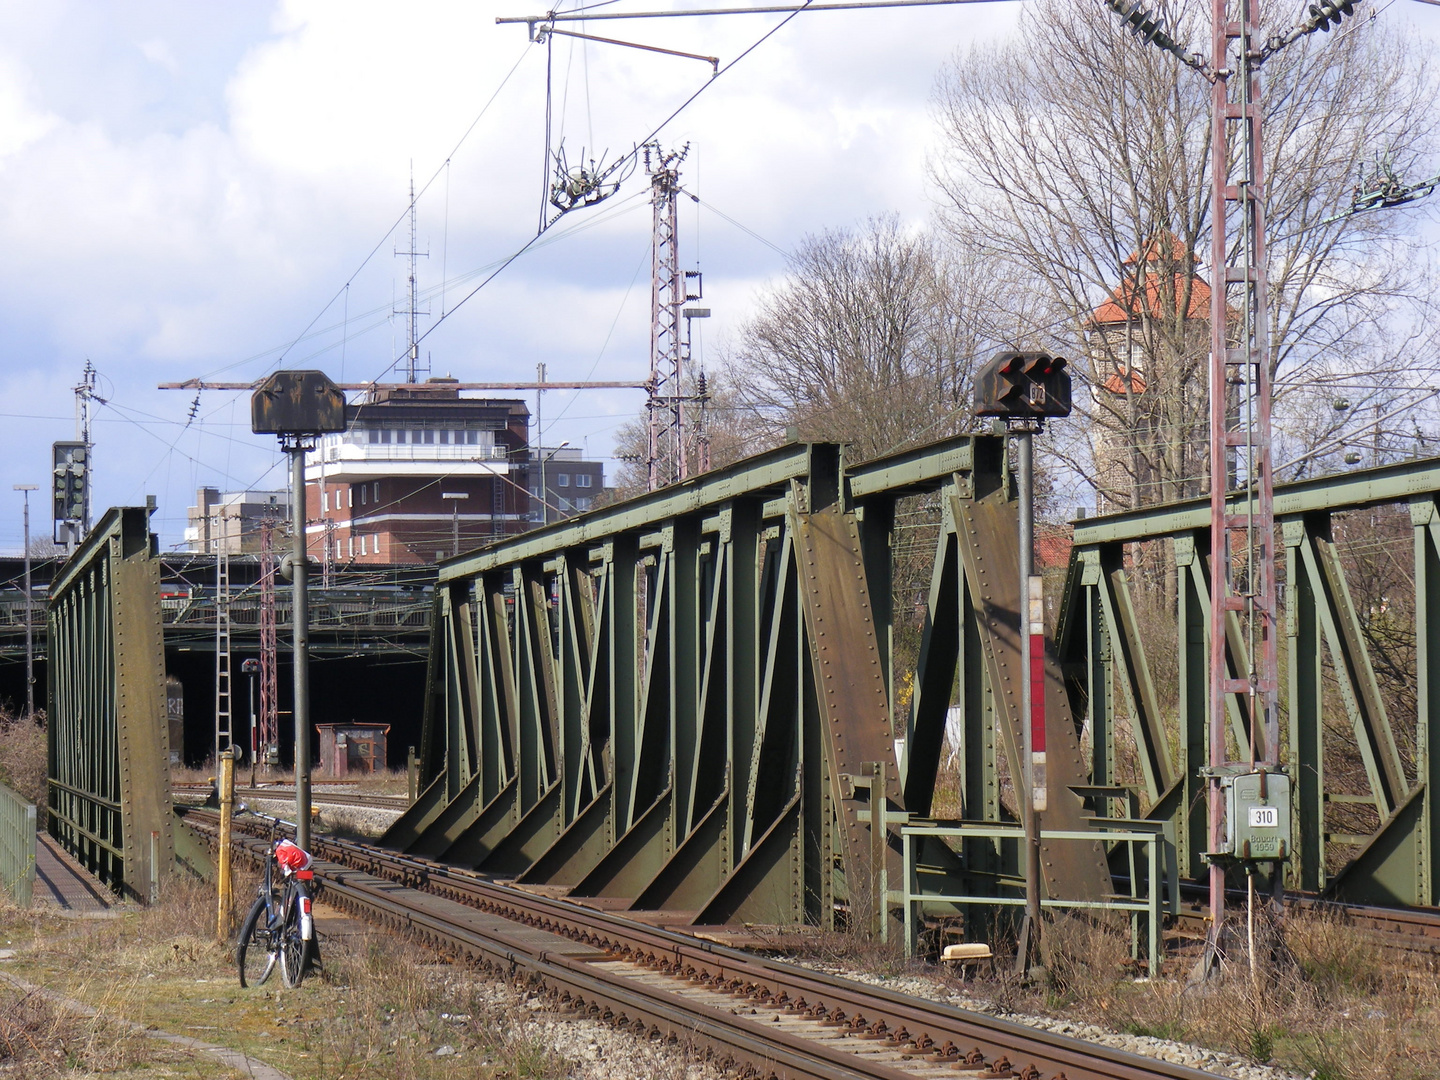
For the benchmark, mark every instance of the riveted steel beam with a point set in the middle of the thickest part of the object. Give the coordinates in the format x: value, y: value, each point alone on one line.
x: 108, y: 755
x: 685, y: 701
x: 1328, y: 646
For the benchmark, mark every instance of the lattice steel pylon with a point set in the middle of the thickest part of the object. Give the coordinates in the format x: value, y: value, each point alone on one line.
x: 269, y: 740
x: 1242, y: 520
x: 665, y: 407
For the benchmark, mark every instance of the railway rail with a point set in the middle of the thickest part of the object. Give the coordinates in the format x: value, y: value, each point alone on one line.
x: 762, y: 1017
x: 1414, y: 931
x: 328, y: 798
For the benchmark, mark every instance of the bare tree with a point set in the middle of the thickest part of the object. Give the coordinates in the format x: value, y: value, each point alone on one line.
x: 1079, y: 157
x: 870, y: 340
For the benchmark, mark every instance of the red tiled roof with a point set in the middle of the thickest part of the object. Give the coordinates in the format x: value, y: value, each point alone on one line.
x: 1115, y: 383
x: 1125, y: 302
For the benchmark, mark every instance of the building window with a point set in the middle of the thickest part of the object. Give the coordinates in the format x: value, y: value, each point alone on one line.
x: 324, y: 502
x: 385, y: 435
x: 472, y: 437
x: 362, y: 496
x: 350, y: 495
x: 583, y: 502
x: 444, y: 437
x: 362, y: 543
x: 563, y: 480
x: 377, y: 492
x: 375, y: 543
x: 427, y: 436
x: 352, y: 547
x: 374, y: 436
x: 583, y: 479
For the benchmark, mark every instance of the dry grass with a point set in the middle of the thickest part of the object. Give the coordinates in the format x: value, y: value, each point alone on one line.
x: 40, y: 1037
x: 1328, y: 1003
x: 381, y: 1008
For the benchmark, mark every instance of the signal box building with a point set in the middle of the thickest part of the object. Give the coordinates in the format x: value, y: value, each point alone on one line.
x: 417, y: 462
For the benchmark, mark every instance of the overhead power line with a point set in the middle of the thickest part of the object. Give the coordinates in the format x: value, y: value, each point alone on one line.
x: 582, y: 15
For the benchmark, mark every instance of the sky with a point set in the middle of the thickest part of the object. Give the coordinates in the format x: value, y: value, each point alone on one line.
x: 213, y: 190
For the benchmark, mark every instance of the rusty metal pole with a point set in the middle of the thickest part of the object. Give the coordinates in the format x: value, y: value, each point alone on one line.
x: 1240, y: 433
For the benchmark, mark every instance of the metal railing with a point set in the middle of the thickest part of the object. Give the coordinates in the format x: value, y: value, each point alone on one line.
x: 17, y: 846
x: 1159, y: 856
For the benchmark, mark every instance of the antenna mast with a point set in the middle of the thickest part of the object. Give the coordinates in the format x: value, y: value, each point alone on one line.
x: 413, y: 367
x: 84, y: 394
x: 666, y: 458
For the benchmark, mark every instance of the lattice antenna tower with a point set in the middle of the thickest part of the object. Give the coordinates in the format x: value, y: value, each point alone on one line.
x: 414, y: 367
x: 669, y: 288
x: 1242, y: 517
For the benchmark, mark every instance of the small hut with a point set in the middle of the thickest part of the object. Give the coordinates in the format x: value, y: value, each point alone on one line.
x: 352, y: 748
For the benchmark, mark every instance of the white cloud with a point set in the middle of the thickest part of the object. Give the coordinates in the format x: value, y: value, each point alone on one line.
x: 21, y: 122
x: 186, y: 189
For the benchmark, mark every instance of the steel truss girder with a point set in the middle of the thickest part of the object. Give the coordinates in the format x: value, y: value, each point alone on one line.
x: 1396, y: 864
x: 108, y: 739
x: 683, y: 702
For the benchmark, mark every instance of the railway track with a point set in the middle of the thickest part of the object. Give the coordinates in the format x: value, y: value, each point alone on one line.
x: 762, y: 1017
x: 318, y: 798
x: 1413, y: 931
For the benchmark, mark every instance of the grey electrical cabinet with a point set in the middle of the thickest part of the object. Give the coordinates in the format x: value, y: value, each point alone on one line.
x: 1257, y: 815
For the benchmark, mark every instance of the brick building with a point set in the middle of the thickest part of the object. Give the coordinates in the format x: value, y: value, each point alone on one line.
x: 418, y: 464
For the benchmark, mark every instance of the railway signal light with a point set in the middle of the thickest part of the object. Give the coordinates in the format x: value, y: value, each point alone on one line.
x: 71, y: 480
x: 1023, y: 386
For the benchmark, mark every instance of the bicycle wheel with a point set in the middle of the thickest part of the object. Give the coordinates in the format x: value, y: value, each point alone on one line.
x: 294, y: 952
x: 256, y: 952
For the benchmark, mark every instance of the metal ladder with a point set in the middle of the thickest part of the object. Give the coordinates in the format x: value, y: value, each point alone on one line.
x: 222, y: 649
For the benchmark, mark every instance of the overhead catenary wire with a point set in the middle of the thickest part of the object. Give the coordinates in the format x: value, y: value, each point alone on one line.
x: 399, y: 220
x: 630, y: 156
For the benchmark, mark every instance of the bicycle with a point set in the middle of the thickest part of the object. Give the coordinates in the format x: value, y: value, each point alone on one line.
x: 279, y: 929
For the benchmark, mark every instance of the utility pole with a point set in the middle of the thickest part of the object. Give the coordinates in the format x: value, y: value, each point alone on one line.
x: 454, y: 498
x: 29, y: 616
x: 669, y: 288
x: 84, y: 394
x: 540, y: 444
x: 299, y: 406
x: 269, y: 680
x: 1242, y: 572
x: 412, y: 313
x: 1027, y: 955
x: 700, y: 429
x: 299, y: 577
x: 1023, y: 389
x: 1242, y: 537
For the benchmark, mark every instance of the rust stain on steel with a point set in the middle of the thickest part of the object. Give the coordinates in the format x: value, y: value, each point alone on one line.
x: 988, y: 529
x: 849, y: 679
